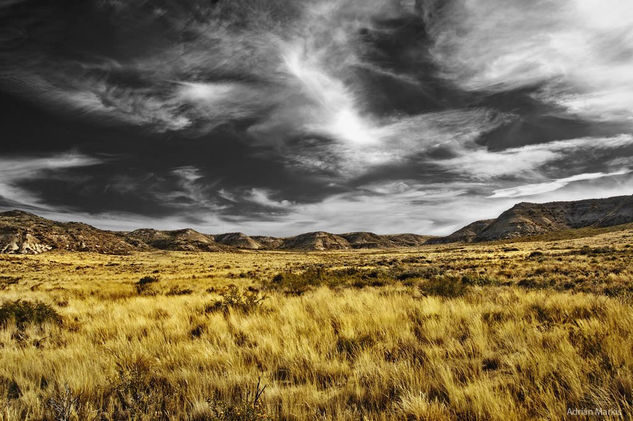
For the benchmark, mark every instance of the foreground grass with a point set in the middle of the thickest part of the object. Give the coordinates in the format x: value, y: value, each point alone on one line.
x: 362, y: 335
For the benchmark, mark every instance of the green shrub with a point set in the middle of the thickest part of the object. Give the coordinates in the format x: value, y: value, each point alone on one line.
x: 23, y: 313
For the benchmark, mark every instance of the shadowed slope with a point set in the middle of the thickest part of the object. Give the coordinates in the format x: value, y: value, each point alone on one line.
x: 530, y: 219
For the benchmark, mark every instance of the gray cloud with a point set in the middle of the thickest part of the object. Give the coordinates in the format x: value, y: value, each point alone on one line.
x: 578, y: 50
x: 550, y: 186
x: 280, y: 116
x: 15, y: 170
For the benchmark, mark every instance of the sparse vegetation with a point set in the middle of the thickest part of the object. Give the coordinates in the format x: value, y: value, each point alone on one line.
x: 493, y: 331
x: 144, y: 285
x: 23, y: 313
x: 234, y: 299
x: 446, y: 286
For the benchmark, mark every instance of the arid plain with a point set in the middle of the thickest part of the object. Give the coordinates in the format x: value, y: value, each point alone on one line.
x: 492, y: 331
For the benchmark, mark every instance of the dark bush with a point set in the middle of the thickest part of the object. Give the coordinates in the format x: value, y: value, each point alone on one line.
x: 9, y: 389
x: 445, y: 286
x: 23, y: 313
x: 297, y: 283
x: 404, y: 274
x: 476, y: 279
x: 179, y: 291
x: 589, y: 251
x: 233, y: 298
x: 143, y: 286
x: 528, y: 283
x: 147, y: 280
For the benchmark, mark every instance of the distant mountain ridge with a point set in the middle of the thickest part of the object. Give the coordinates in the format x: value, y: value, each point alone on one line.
x: 529, y: 219
x: 25, y: 233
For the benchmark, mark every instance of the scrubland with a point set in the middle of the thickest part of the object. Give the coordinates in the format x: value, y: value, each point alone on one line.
x: 497, y: 331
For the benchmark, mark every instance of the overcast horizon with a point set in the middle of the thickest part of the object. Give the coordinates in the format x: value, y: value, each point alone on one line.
x: 279, y: 117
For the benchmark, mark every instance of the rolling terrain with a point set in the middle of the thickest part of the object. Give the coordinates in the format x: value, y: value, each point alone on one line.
x: 25, y: 233
x: 163, y: 325
x: 485, y: 331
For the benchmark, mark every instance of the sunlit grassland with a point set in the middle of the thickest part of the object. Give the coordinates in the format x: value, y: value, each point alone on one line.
x: 523, y: 331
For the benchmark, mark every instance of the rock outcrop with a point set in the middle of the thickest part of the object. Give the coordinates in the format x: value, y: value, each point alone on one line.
x: 25, y: 233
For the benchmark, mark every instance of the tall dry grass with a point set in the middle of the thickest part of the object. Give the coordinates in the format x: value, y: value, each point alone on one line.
x: 189, y: 346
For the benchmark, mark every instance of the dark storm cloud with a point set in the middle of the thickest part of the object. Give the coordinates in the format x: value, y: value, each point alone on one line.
x: 280, y: 116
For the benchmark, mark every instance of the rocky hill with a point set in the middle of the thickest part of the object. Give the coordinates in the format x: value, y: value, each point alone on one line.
x: 25, y: 233
x: 269, y: 243
x: 316, y: 241
x: 467, y: 234
x: 238, y: 240
x: 528, y: 219
x: 362, y: 240
x: 366, y: 240
x: 179, y: 240
x: 407, y: 240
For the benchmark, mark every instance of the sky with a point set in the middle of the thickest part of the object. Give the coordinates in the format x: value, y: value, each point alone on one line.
x: 280, y: 117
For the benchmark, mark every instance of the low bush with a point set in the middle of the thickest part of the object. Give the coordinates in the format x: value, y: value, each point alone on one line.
x: 179, y: 291
x: 297, y: 283
x: 535, y: 254
x: 249, y: 408
x: 445, y: 286
x: 476, y: 279
x: 23, y: 313
x: 244, y: 301
x: 144, y: 285
x: 63, y: 404
x: 593, y: 251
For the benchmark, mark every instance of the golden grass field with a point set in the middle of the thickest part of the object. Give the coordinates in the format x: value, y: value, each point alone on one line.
x: 500, y: 331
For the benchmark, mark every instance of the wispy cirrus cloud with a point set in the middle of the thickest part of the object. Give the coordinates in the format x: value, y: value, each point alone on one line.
x: 526, y: 161
x: 16, y: 170
x: 550, y: 186
x: 578, y: 51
